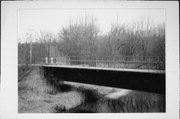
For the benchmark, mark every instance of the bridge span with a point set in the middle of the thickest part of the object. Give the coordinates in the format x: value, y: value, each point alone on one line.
x: 135, y: 79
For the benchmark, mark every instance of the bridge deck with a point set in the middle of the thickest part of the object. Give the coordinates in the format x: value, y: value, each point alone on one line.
x: 107, y: 69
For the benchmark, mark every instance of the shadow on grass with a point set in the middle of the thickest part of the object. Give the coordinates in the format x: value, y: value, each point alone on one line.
x: 90, y: 95
x: 62, y: 87
x: 57, y: 83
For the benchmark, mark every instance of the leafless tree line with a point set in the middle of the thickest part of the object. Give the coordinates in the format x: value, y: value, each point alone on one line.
x: 82, y: 39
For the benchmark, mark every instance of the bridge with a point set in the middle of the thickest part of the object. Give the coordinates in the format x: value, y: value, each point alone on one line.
x: 136, y: 73
x: 143, y: 80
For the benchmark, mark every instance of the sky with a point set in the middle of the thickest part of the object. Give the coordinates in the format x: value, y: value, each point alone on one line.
x: 52, y: 20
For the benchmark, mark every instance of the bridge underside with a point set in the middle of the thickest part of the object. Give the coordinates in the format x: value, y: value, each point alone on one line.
x: 149, y: 81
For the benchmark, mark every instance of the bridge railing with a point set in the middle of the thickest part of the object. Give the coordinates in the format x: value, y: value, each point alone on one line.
x: 135, y: 62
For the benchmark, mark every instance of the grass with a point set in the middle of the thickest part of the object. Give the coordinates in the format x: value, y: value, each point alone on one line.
x: 88, y: 105
x: 57, y: 84
x: 36, y: 94
x: 90, y: 95
x: 59, y: 109
x: 22, y: 69
x: 134, y: 101
x: 34, y: 86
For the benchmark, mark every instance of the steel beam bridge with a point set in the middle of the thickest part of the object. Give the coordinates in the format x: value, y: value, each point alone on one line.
x: 135, y: 79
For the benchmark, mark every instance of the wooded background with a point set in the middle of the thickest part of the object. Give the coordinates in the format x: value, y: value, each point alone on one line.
x: 83, y: 39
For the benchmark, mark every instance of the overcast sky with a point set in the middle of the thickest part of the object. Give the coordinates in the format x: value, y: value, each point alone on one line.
x: 52, y: 20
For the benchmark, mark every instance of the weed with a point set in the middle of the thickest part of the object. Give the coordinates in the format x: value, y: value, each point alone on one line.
x: 59, y: 109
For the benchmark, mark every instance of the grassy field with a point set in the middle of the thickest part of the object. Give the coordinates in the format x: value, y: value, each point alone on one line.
x: 37, y: 95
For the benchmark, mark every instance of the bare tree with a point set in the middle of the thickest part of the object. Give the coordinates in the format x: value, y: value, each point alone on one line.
x: 79, y: 39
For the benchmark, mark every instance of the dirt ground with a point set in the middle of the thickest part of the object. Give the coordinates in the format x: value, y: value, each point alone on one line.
x: 35, y: 95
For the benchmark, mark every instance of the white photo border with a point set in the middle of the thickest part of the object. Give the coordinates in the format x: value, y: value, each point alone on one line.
x: 9, y: 81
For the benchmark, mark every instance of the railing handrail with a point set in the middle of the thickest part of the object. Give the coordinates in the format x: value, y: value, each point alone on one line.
x: 145, y: 62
